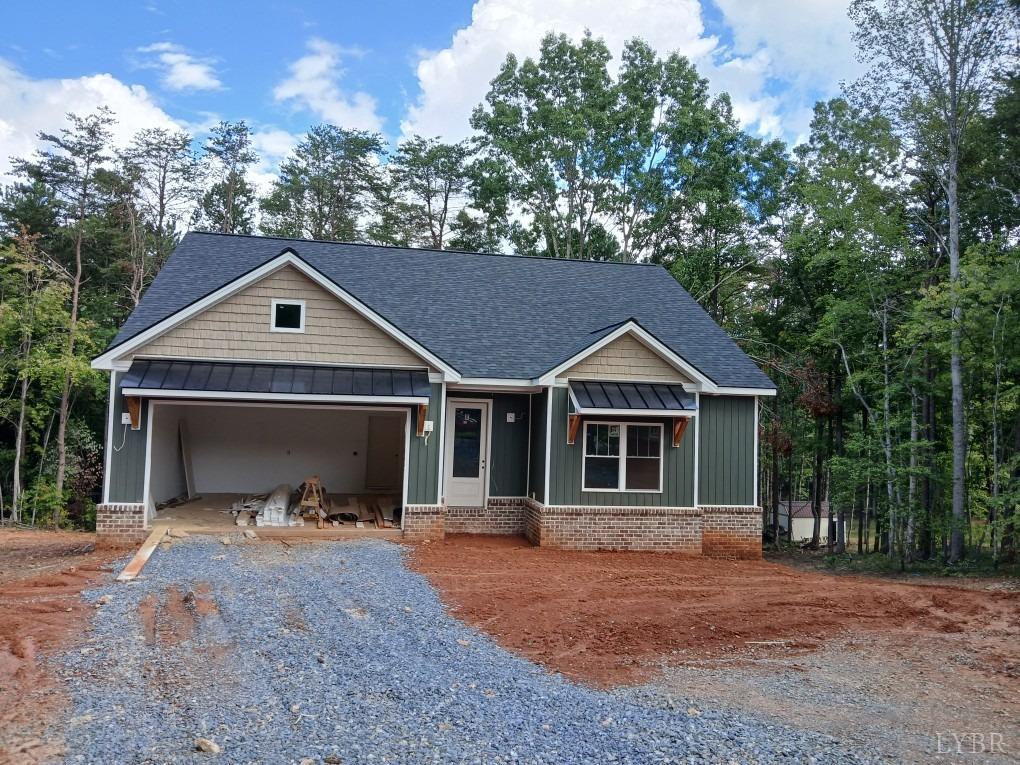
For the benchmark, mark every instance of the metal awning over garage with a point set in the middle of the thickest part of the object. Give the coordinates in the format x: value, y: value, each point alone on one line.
x: 621, y: 398
x: 227, y: 380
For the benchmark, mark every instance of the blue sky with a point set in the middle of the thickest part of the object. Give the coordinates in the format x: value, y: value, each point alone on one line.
x: 398, y: 67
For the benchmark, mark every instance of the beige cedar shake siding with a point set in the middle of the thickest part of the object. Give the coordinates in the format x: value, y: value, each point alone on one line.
x: 238, y: 328
x: 625, y: 358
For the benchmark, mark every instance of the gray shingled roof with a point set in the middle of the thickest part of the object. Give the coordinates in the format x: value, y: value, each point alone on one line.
x: 486, y: 315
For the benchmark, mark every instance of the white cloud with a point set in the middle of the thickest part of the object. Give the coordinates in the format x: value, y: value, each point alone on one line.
x: 28, y: 105
x: 181, y: 70
x: 314, y: 84
x: 775, y: 39
x: 809, y: 48
x: 808, y: 43
x: 454, y: 80
x: 272, y: 145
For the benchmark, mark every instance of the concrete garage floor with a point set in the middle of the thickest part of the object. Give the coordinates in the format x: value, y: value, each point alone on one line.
x: 337, y: 652
x: 210, y: 514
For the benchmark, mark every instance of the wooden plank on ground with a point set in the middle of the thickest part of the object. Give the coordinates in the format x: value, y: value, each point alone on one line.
x: 137, y: 563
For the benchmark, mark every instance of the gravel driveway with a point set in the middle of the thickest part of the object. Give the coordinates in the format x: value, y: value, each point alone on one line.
x: 335, y: 652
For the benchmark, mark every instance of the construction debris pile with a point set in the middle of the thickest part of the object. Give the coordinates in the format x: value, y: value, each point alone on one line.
x: 284, y: 506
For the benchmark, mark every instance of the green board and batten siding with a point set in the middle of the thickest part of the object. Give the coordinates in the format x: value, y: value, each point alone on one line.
x: 508, y: 442
x: 127, y: 453
x: 536, y: 472
x: 508, y: 466
x: 726, y: 453
x: 423, y: 455
x: 565, y: 467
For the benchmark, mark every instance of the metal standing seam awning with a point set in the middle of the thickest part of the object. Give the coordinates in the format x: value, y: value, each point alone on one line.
x: 228, y: 380
x: 622, y: 398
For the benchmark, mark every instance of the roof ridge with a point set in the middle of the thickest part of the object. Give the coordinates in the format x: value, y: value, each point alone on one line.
x: 423, y: 249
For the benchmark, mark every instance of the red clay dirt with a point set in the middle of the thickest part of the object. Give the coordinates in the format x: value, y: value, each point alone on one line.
x: 42, y: 574
x: 614, y: 618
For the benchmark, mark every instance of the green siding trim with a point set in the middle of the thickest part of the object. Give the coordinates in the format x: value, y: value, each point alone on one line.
x: 536, y: 485
x: 508, y: 442
x: 726, y: 450
x: 422, y: 457
x: 127, y: 462
x: 565, y: 466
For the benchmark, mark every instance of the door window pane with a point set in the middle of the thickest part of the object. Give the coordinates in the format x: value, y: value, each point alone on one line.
x: 467, y: 442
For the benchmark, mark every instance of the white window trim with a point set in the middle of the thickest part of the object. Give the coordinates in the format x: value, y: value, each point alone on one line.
x: 621, y: 458
x: 272, y: 315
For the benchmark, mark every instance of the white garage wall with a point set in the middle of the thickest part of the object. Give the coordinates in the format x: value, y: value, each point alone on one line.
x: 248, y: 449
x: 166, y: 477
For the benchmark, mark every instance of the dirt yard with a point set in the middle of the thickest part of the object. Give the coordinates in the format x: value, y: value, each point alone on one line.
x: 41, y: 576
x: 885, y: 662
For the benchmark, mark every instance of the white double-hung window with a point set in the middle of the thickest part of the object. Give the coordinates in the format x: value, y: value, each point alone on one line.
x: 622, y: 456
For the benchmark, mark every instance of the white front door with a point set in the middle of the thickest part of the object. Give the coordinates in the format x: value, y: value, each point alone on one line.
x: 467, y: 449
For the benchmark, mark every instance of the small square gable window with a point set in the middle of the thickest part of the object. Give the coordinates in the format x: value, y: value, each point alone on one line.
x: 287, y: 316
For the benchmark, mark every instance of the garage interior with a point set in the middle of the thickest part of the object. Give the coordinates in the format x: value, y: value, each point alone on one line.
x: 224, y: 465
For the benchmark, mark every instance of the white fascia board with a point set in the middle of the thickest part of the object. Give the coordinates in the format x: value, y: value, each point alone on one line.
x: 305, y: 398
x: 700, y: 382
x: 113, y: 355
x: 744, y: 391
x: 637, y: 412
x: 495, y: 385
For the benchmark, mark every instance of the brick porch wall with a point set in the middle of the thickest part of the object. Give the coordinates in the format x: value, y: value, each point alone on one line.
x: 424, y: 522
x: 716, y: 532
x: 503, y: 515
x: 731, y: 532
x: 665, y: 529
x: 121, y: 524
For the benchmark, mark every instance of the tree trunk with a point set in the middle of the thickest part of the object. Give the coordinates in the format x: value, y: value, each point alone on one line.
x: 775, y: 488
x: 927, y: 541
x: 1009, y: 511
x: 816, y: 484
x: 840, y: 441
x: 65, y: 395
x: 908, y: 539
x: 19, y: 450
x: 955, y: 361
x: 887, y: 432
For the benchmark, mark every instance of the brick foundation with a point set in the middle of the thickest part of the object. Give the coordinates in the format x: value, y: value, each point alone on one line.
x: 716, y: 532
x: 503, y: 515
x: 121, y: 524
x: 731, y: 532
x: 665, y: 529
x: 424, y: 522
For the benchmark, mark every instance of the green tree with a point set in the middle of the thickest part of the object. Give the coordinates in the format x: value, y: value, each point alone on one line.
x: 159, y: 176
x: 937, y: 64
x: 33, y: 318
x: 432, y: 177
x: 227, y: 205
x: 546, y: 125
x: 72, y: 166
x: 326, y: 187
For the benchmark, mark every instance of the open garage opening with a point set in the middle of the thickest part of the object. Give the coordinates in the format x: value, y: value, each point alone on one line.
x: 209, y: 460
